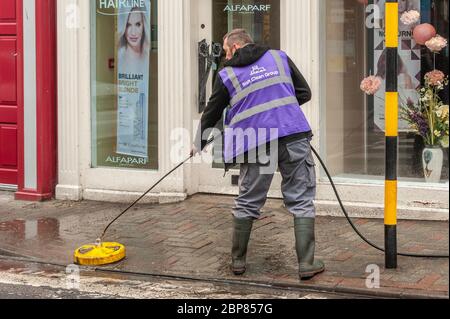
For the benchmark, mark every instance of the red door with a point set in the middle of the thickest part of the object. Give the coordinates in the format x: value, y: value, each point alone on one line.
x: 8, y: 91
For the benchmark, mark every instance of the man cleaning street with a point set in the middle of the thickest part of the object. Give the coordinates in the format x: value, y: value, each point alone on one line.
x: 261, y: 91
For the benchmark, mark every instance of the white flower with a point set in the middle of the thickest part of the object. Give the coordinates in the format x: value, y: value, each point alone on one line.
x: 436, y: 44
x: 410, y: 17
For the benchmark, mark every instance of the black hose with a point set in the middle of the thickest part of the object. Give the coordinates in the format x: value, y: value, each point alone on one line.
x: 332, y: 184
x: 353, y: 225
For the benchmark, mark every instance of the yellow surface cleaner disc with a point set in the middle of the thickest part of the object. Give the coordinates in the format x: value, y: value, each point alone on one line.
x: 99, y: 254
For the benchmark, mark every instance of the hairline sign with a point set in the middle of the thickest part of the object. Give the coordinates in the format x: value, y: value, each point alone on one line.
x: 247, y: 9
x: 119, y: 4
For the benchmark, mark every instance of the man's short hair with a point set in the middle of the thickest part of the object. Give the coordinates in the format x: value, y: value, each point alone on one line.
x: 238, y: 36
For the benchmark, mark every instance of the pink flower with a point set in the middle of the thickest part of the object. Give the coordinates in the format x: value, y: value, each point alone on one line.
x: 371, y: 85
x: 435, y: 78
x: 436, y: 44
x: 410, y: 17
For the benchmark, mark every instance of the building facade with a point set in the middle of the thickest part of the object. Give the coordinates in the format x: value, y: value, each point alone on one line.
x: 121, y: 125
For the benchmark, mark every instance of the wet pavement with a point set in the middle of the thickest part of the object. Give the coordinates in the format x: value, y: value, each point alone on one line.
x: 28, y: 280
x: 192, y: 239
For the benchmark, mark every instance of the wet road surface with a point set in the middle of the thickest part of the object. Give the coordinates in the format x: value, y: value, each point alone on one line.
x: 27, y: 280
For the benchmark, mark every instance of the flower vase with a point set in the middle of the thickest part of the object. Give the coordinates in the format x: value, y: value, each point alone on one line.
x: 433, y: 158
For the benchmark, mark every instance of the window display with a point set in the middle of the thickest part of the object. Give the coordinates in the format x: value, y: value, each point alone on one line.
x: 355, y: 119
x: 124, y: 85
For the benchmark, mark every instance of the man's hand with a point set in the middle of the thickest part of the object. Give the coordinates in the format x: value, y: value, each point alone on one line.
x: 194, y: 151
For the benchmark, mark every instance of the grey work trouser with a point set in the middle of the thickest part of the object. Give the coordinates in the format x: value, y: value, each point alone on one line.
x: 297, y: 168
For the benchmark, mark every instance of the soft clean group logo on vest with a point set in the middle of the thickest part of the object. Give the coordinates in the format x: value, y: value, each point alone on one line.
x: 257, y: 70
x: 245, y: 9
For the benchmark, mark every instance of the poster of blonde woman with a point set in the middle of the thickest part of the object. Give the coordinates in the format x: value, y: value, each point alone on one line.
x: 133, y: 64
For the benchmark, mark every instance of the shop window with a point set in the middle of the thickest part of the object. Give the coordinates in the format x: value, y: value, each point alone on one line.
x: 354, y: 48
x: 124, y: 76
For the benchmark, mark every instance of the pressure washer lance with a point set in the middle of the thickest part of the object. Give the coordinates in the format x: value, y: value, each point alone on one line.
x: 100, y: 240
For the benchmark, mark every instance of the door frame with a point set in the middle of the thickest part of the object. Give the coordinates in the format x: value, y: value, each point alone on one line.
x: 19, y: 93
x: 43, y: 178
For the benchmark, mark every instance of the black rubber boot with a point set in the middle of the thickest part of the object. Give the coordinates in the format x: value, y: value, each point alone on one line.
x: 305, y: 246
x: 241, y: 235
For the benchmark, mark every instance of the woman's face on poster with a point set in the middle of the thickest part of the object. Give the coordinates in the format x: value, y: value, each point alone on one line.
x: 135, y: 30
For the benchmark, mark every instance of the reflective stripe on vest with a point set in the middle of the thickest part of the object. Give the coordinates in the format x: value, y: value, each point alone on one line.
x: 233, y: 78
x: 262, y: 108
x: 279, y: 62
x: 259, y: 86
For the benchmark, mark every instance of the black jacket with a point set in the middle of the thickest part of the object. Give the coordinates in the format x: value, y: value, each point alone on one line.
x: 220, y: 98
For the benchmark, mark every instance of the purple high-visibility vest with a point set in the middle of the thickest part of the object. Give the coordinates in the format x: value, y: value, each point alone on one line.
x: 263, y: 105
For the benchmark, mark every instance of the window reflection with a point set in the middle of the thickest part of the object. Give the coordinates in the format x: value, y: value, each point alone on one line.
x: 354, y: 48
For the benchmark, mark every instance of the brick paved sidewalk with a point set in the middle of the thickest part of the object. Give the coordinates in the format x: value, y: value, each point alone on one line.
x: 193, y: 238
